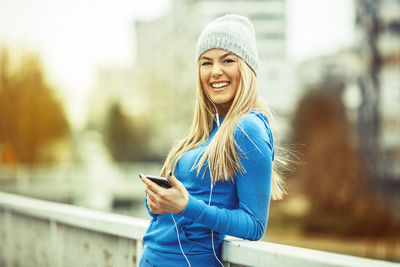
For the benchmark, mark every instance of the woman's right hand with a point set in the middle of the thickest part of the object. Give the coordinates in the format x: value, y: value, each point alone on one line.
x: 162, y: 200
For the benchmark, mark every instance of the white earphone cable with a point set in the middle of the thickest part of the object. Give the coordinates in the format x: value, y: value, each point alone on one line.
x: 179, y: 240
x: 209, y: 202
x: 216, y: 110
x: 211, y: 186
x: 212, y: 231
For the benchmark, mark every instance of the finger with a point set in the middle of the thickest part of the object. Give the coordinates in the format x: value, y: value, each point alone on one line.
x: 144, y: 179
x: 150, y: 194
x: 172, y: 179
x: 150, y: 203
x: 154, y: 208
x: 153, y: 186
x: 150, y: 200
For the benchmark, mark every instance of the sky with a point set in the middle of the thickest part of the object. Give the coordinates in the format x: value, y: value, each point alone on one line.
x: 75, y: 37
x: 318, y: 27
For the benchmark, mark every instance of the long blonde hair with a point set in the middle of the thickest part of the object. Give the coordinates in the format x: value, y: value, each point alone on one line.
x: 221, y: 156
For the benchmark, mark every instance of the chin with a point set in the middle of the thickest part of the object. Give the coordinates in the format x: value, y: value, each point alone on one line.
x: 219, y: 101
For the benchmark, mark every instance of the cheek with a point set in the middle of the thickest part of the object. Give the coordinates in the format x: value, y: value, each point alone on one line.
x: 204, y: 78
x: 237, y: 77
x: 237, y: 81
x: 203, y: 84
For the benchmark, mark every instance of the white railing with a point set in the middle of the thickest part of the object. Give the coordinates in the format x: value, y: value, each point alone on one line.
x: 40, y: 233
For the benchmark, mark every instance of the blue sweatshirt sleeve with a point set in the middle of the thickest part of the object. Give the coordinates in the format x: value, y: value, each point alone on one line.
x: 255, y: 146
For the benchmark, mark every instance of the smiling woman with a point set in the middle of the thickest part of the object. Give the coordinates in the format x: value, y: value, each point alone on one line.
x: 223, y: 173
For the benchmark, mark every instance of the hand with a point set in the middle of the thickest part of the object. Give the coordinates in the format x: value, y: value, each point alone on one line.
x: 161, y: 200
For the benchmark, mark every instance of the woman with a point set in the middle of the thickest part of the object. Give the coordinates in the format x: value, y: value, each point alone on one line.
x: 222, y: 173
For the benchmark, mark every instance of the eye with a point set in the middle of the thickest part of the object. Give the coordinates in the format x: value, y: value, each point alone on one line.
x: 206, y: 63
x: 229, y: 60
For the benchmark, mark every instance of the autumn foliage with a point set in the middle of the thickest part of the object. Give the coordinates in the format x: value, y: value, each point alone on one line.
x: 31, y: 117
x: 341, y: 193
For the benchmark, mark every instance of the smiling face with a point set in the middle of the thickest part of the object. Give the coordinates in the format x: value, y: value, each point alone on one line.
x: 219, y: 76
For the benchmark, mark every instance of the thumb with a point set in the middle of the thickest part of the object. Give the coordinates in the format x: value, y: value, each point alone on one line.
x: 172, y: 179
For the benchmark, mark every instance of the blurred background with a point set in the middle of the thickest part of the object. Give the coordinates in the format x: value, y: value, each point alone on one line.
x: 92, y: 93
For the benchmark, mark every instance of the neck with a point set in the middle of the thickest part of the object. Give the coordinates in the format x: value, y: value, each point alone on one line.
x: 223, y: 108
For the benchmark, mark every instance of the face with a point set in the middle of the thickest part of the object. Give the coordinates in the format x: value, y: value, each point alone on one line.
x: 219, y: 75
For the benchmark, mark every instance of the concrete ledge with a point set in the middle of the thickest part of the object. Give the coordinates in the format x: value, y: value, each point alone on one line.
x: 259, y: 253
x: 236, y: 252
x: 104, y: 222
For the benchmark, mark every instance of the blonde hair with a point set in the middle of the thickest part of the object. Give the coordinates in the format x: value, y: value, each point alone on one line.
x: 221, y: 155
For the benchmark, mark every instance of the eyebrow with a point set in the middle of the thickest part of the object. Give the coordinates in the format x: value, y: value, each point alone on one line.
x: 224, y: 55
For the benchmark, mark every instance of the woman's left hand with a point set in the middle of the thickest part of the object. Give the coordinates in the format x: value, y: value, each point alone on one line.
x: 161, y: 200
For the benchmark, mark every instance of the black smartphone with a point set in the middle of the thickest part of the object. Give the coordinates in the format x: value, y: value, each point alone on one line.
x: 161, y: 181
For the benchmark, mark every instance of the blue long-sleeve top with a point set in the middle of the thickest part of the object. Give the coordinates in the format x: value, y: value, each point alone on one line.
x: 238, y: 208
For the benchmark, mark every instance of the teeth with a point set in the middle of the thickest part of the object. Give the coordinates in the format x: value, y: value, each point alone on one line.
x: 219, y: 85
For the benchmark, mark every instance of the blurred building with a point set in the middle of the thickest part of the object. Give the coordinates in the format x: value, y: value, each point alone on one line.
x: 167, y: 45
x: 378, y: 43
x: 370, y: 76
x: 113, y: 84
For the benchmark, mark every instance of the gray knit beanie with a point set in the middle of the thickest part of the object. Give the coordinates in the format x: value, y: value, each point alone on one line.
x: 233, y: 33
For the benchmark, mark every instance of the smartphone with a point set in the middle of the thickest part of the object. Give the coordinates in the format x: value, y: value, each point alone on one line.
x: 161, y: 181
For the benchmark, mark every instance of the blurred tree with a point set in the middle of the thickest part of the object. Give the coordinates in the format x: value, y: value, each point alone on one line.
x: 31, y: 118
x: 334, y: 180
x: 127, y: 137
x: 171, y: 101
x: 320, y: 123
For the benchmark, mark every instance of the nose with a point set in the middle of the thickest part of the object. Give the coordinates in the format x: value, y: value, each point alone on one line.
x: 216, y: 70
